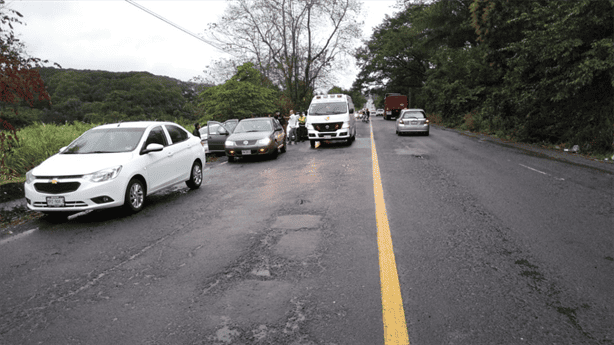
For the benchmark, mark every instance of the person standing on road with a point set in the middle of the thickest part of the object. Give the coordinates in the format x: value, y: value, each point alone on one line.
x: 302, y: 130
x: 292, y: 126
x: 196, y: 131
x: 281, y: 120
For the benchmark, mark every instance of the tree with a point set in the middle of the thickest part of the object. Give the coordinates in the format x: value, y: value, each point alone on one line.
x: 357, y: 97
x: 19, y: 80
x: 294, y: 43
x: 19, y: 76
x: 246, y: 93
x: 557, y: 67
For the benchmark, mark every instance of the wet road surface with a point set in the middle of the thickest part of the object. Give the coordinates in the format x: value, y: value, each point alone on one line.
x: 492, y: 245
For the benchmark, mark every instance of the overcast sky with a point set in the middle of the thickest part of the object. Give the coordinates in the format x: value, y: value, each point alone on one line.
x: 114, y: 35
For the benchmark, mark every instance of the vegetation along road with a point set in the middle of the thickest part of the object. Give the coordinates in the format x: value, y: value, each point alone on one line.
x: 489, y: 244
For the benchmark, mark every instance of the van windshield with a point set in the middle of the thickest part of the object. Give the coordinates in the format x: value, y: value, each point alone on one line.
x: 328, y: 108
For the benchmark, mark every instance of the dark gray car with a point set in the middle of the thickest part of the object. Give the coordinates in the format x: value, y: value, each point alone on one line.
x: 257, y: 136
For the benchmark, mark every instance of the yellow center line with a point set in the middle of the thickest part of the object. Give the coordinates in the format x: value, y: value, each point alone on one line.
x: 395, y: 328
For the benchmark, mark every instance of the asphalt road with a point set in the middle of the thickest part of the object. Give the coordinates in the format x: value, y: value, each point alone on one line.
x: 492, y: 244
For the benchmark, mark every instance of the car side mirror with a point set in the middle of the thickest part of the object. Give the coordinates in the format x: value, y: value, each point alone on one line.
x: 153, y: 148
x: 222, y: 131
x: 63, y: 149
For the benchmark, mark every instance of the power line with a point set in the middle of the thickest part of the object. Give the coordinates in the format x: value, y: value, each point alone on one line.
x: 175, y: 25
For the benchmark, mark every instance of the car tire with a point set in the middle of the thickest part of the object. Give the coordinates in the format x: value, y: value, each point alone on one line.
x: 312, y: 143
x: 231, y: 159
x: 283, y: 148
x: 134, y: 199
x: 275, y: 153
x: 426, y: 133
x: 196, y: 176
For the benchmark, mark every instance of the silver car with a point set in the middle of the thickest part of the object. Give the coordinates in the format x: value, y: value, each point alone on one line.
x: 412, y: 120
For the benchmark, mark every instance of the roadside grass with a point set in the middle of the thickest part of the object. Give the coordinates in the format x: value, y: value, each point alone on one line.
x: 36, y: 143
x: 476, y: 122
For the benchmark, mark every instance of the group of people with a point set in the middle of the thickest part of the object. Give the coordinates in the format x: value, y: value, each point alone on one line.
x: 296, y: 127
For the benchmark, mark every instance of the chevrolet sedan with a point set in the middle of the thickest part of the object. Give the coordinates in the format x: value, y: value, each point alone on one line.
x: 412, y: 121
x: 115, y: 165
x: 257, y: 136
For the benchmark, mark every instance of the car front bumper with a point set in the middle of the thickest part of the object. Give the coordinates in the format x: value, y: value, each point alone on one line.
x: 342, y: 134
x: 88, y: 196
x: 245, y: 151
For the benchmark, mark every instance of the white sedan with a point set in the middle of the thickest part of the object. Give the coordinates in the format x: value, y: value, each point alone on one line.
x: 115, y: 165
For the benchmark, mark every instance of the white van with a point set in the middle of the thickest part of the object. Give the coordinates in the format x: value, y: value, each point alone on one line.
x: 331, y: 118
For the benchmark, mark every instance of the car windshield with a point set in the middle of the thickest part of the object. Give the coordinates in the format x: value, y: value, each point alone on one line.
x: 328, y: 108
x: 254, y: 126
x: 230, y: 125
x: 413, y: 114
x: 106, y: 140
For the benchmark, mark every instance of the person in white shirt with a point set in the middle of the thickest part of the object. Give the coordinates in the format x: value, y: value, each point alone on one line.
x: 292, y: 127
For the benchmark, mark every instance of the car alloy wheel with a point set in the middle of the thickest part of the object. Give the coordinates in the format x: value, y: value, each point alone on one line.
x: 196, y: 176
x: 135, y: 196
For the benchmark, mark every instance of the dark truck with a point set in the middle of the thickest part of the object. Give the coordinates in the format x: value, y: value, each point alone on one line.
x: 393, y: 104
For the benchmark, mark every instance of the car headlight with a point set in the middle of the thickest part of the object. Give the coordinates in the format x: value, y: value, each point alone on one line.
x: 230, y: 143
x: 104, y: 175
x: 264, y: 141
x: 30, y: 177
x: 309, y: 126
x: 346, y: 125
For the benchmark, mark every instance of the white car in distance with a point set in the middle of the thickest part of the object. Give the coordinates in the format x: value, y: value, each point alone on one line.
x: 115, y: 165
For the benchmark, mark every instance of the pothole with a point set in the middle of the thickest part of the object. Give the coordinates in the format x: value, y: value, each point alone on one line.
x: 297, y: 245
x: 299, y: 221
x: 254, y: 302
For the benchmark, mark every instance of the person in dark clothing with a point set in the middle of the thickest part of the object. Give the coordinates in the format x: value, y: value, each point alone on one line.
x: 196, y: 131
x: 282, y: 121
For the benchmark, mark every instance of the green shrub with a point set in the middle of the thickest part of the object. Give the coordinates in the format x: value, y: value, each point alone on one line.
x: 38, y: 142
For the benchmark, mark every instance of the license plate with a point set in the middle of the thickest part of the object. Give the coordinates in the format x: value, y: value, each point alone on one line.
x: 246, y: 152
x: 414, y: 122
x: 327, y: 137
x: 55, y: 201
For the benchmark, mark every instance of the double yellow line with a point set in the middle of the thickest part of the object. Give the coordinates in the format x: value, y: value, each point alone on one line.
x: 395, y: 327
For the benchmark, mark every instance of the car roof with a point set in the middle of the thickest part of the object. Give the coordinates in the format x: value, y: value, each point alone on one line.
x: 257, y: 118
x: 135, y: 124
x: 414, y: 109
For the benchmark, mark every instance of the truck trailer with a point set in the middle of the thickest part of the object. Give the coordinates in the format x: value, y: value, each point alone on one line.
x: 393, y: 104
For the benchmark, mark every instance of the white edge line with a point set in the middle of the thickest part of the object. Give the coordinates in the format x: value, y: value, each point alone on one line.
x: 541, y: 172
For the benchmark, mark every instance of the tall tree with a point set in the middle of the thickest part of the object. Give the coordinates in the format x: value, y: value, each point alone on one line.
x: 246, y: 93
x: 19, y: 76
x: 294, y: 43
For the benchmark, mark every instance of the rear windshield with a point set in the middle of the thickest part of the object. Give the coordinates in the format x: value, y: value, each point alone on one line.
x: 332, y: 108
x: 107, y: 140
x: 414, y: 114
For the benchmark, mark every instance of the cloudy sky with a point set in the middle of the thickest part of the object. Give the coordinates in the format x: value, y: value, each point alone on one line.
x: 114, y: 35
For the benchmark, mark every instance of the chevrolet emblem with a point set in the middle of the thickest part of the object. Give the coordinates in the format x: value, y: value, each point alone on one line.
x: 327, y: 118
x: 54, y: 181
